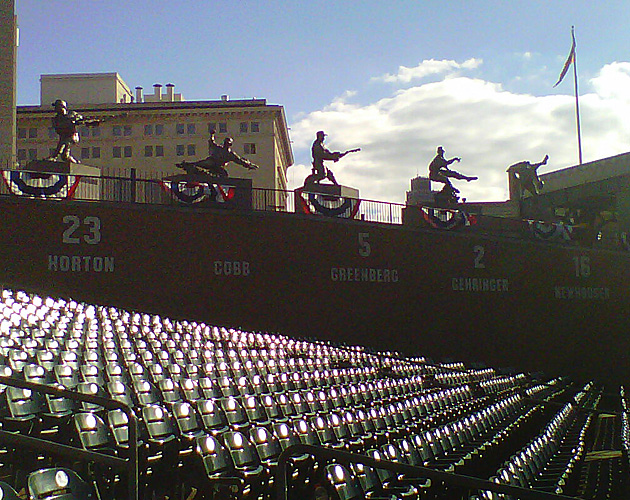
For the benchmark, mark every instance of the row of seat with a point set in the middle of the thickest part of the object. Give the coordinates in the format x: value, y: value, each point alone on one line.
x: 216, y: 406
x: 550, y: 462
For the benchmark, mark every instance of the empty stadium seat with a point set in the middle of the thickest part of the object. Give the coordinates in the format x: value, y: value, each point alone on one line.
x: 58, y: 484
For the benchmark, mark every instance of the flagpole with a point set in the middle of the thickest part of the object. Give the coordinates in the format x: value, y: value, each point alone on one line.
x: 577, y: 103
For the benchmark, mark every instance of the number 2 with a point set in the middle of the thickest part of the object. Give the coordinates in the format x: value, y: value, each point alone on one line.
x: 479, y: 252
x: 68, y: 237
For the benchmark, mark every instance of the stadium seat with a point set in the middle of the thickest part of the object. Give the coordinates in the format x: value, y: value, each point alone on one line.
x: 340, y: 484
x: 325, y: 433
x: 92, y: 374
x: 91, y: 389
x: 7, y: 492
x: 170, y: 392
x: 214, y: 420
x: 235, y: 413
x: 209, y: 388
x: 217, y: 462
x: 26, y: 408
x: 159, y: 427
x: 256, y: 411
x: 146, y: 393
x: 267, y: 446
x: 245, y: 458
x: 115, y: 373
x: 187, y: 421
x: 58, y: 484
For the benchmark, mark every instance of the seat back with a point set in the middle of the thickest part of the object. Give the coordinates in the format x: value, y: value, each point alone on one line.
x: 57, y: 484
x: 7, y: 492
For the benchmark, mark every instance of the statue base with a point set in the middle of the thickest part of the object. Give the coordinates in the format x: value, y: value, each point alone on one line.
x: 62, y: 167
x: 330, y: 200
x: 220, y: 192
x: 55, y: 180
x: 330, y: 190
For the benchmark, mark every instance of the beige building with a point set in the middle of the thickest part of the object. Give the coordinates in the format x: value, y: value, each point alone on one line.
x: 85, y: 88
x: 148, y: 135
x: 8, y: 60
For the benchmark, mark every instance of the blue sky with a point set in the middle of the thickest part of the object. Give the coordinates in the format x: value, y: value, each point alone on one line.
x: 395, y: 78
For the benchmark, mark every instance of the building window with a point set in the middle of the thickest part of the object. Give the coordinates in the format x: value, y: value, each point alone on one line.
x: 21, y: 133
x: 180, y: 150
x: 127, y: 151
x: 32, y: 133
x: 255, y: 127
x: 243, y: 127
x: 96, y: 152
x: 84, y: 131
x: 148, y: 151
x: 85, y: 153
x: 96, y: 132
x: 117, y: 152
x: 116, y: 132
x: 51, y: 133
x: 191, y: 129
x: 148, y: 129
x: 127, y: 130
x: 51, y: 152
x: 159, y: 129
x: 191, y: 150
x: 159, y: 150
x: 223, y: 128
x: 212, y: 127
x: 249, y: 148
x: 21, y: 153
x: 180, y: 128
x: 32, y: 154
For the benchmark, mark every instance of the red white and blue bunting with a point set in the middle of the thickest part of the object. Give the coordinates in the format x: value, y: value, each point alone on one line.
x: 550, y: 231
x: 441, y: 218
x: 327, y: 205
x: 197, y: 192
x: 39, y: 185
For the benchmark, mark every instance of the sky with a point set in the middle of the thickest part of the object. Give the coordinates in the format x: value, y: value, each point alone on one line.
x: 396, y: 79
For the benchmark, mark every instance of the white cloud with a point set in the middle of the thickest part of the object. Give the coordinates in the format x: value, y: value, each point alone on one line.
x: 487, y: 126
x: 426, y: 68
x: 613, y: 82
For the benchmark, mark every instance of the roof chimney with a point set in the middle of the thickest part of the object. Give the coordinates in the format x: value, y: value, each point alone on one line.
x: 170, y: 92
x: 225, y: 97
x: 139, y: 94
x: 157, y: 90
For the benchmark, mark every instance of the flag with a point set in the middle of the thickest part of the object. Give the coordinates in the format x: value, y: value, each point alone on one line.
x: 570, y: 60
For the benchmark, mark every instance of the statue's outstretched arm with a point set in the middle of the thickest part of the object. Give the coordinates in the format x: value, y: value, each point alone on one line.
x: 243, y: 162
x: 543, y: 162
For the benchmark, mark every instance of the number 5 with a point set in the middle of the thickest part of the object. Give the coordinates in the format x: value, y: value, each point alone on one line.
x: 364, y: 247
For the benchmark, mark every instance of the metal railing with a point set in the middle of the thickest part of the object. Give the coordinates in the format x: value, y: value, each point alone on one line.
x: 129, y: 464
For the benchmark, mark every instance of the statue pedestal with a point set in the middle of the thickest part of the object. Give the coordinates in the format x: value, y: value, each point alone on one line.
x: 220, y: 192
x: 331, y: 190
x: 87, y: 178
x: 327, y: 199
x: 62, y: 167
